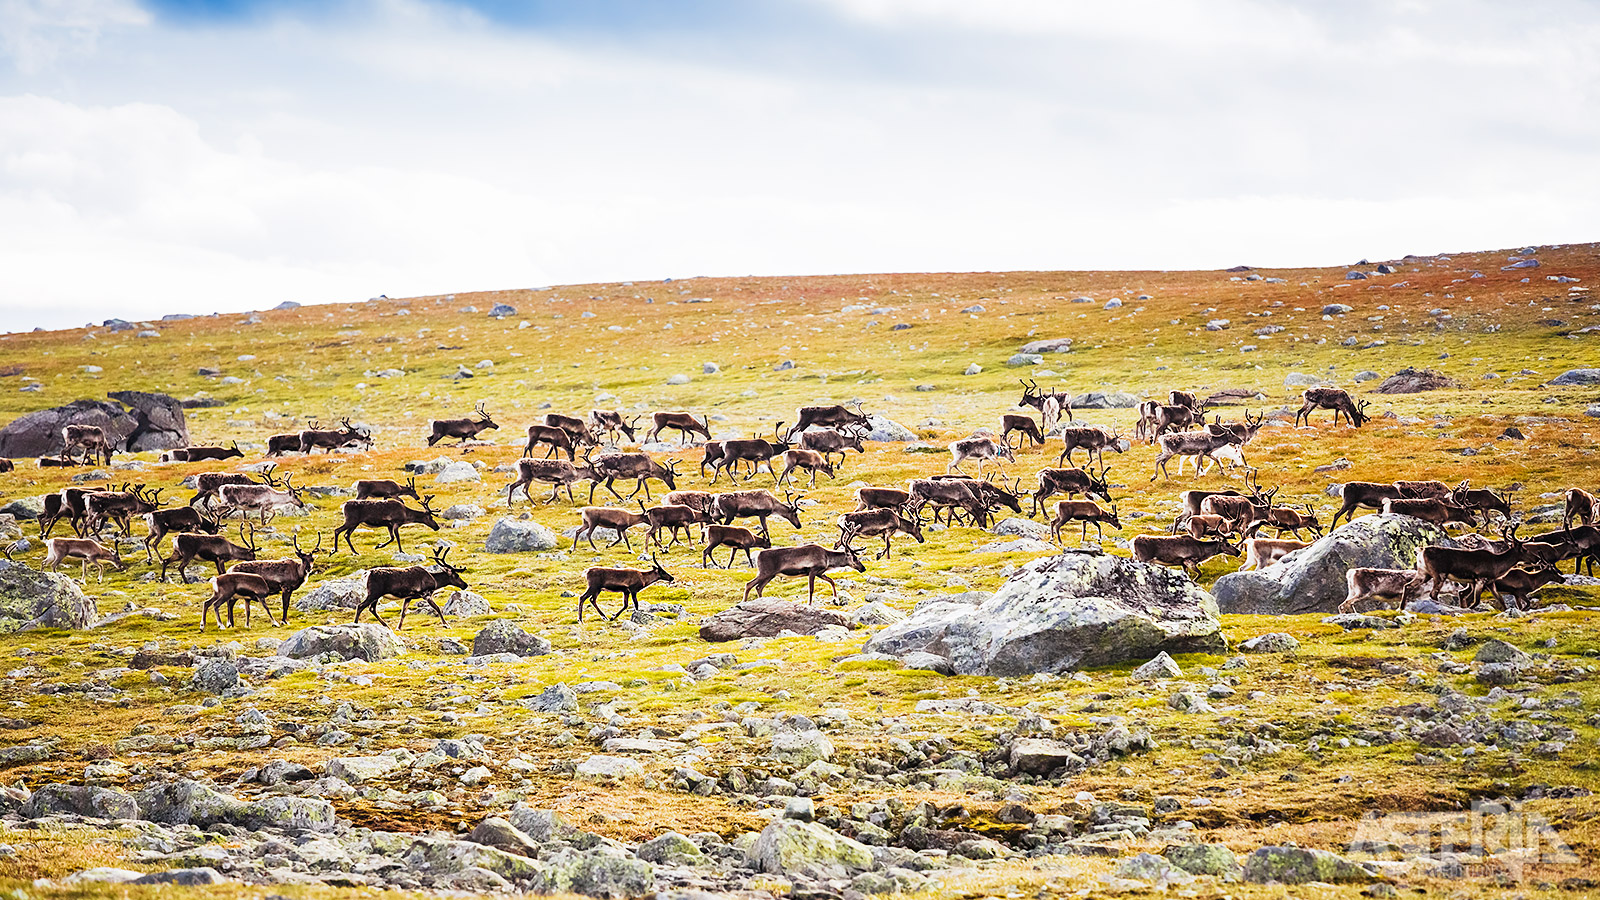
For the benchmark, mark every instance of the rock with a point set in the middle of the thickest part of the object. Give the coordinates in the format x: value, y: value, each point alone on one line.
x: 1105, y: 400
x: 928, y: 662
x: 1017, y: 545
x: 1297, y: 379
x: 503, y: 636
x: 24, y: 509
x: 766, y: 617
x: 103, y: 875
x: 801, y: 748
x: 600, y: 767
x: 1299, y: 865
x: 32, y: 599
x: 456, y: 472
x: 365, y: 641
x: 466, y: 604
x: 445, y: 856
x: 875, y: 613
x: 1272, y: 642
x: 1017, y: 360
x: 1149, y: 867
x: 80, y: 800
x: 1336, y: 309
x: 1205, y: 859
x: 886, y: 429
x: 137, y: 421
x: 1162, y: 667
x: 677, y: 379
x: 520, y: 536
x: 671, y: 849
x: 1113, y: 303
x: 356, y: 769
x: 972, y: 369
x: 1498, y: 651
x: 462, y: 512
x: 1413, y: 381
x: 1354, y: 275
x: 501, y: 310
x: 1061, y: 613
x: 1365, y: 375
x: 1312, y: 580
x: 335, y: 593
x: 201, y: 875
x: 1048, y: 345
x: 1498, y: 673
x: 602, y: 872
x: 554, y: 698
x: 502, y: 835
x: 1521, y: 264
x: 187, y: 802
x: 1580, y: 377
x: 1020, y: 527
x: 1040, y: 756
x: 215, y: 676
x: 790, y: 847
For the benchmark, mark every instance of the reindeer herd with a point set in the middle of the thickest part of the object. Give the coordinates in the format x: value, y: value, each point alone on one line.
x: 585, y: 449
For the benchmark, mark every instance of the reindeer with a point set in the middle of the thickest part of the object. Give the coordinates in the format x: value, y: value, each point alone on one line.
x: 555, y: 472
x: 627, y: 582
x: 876, y: 523
x: 1224, y: 456
x: 7, y: 465
x: 699, y: 501
x: 86, y: 551
x: 1024, y: 424
x: 684, y: 423
x: 557, y: 438
x: 1384, y: 584
x: 1092, y: 438
x: 1476, y: 568
x: 755, y: 504
x: 1580, y: 506
x: 1170, y: 550
x: 1038, y: 399
x: 1145, y: 428
x: 982, y: 449
x: 577, y: 428
x: 209, y: 483
x: 1243, y: 514
x: 227, y: 589
x: 260, y: 498
x: 610, y: 423
x: 1423, y: 490
x: 754, y: 451
x: 947, y: 495
x: 829, y: 441
x: 992, y: 495
x: 1206, y: 525
x: 408, y: 584
x: 1262, y: 552
x: 279, y: 444
x: 213, y: 548
x: 390, y: 514
x: 283, y: 576
x: 1171, y: 419
x: 1084, y: 511
x: 713, y: 451
x: 1070, y: 482
x: 52, y: 462
x: 90, y: 438
x: 386, y: 489
x: 1520, y: 583
x: 56, y: 506
x: 163, y: 522
x: 835, y: 416
x: 1247, y: 429
x: 637, y: 466
x: 1485, y: 501
x: 329, y: 441
x: 736, y: 537
x: 206, y: 454
x: 1285, y: 519
x: 811, y: 560
x: 1192, y: 443
x: 1336, y: 399
x: 1439, y: 512
x: 118, y: 506
x: 1186, y: 398
x: 618, y: 520
x: 810, y: 460
x: 1369, y: 494
x: 673, y: 519
x: 882, y: 498
x: 463, y: 429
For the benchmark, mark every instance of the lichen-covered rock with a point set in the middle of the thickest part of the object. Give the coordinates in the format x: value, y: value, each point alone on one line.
x: 1582, y: 377
x: 520, y: 536
x: 1150, y: 867
x: 334, y: 593
x: 1498, y: 651
x: 671, y: 849
x: 1205, y: 859
x: 767, y: 617
x: 32, y: 599
x: 801, y: 748
x: 356, y: 769
x: 791, y: 847
x: 601, y: 872
x: 466, y: 604
x: 1041, y: 756
x: 882, y: 428
x: 214, y: 676
x: 365, y: 641
x: 80, y: 800
x: 1163, y: 666
x: 187, y: 802
x: 502, y: 835
x: 503, y: 636
x: 1271, y: 642
x: 291, y: 814
x: 1312, y: 580
x: 1299, y: 865
x: 1062, y: 613
x: 446, y: 856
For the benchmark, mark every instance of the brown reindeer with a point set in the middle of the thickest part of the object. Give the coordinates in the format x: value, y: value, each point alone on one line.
x: 408, y: 584
x: 735, y: 537
x: 556, y: 438
x: 557, y: 473
x: 1070, y: 482
x: 207, y: 485
x: 1520, y: 583
x: 810, y: 560
x: 390, y: 514
x: 946, y: 496
x: 882, y: 498
x: 809, y: 460
x: 1262, y: 552
x: 1384, y: 584
x: 91, y: 439
x: 876, y: 523
x: 386, y: 489
x: 1357, y: 494
x: 755, y: 504
x: 1478, y: 569
x: 579, y: 430
x: 331, y: 440
x: 163, y: 522
x: 618, y: 520
x: 1094, y: 439
x: 207, y: 454
x: 610, y: 423
x: 754, y: 451
x: 462, y: 429
x: 1580, y: 506
x: 279, y: 444
x: 231, y: 587
x: 1191, y: 443
x: 262, y: 499
x: 627, y: 582
x: 1284, y: 519
x: 86, y: 551
x: 7, y: 465
x: 1039, y: 399
x: 1179, y: 550
x: 835, y: 416
x: 1024, y: 424
x: 672, y: 519
x: 1481, y: 500
x: 1438, y: 512
x: 283, y: 576
x: 829, y: 441
x: 637, y: 466
x: 1084, y: 511
x: 118, y: 507
x: 212, y: 548
x: 1336, y: 399
x: 684, y: 423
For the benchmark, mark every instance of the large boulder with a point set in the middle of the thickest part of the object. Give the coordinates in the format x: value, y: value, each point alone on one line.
x: 502, y: 636
x: 335, y: 593
x: 766, y: 617
x: 366, y: 641
x: 884, y: 428
x: 1312, y: 580
x: 791, y: 847
x: 80, y: 800
x: 520, y: 536
x: 33, y: 599
x: 1105, y: 400
x: 1413, y: 381
x: 140, y: 421
x: 1062, y: 613
x: 1581, y: 377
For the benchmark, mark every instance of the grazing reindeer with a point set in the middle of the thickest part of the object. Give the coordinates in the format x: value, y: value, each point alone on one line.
x: 1423, y: 490
x: 699, y: 501
x: 811, y: 560
x: 627, y: 582
x: 386, y: 489
x: 118, y: 506
x: 554, y: 472
x: 279, y: 444
x: 1520, y: 583
x: 1383, y: 584
x: 673, y: 519
x: 876, y: 523
x: 982, y: 449
x: 557, y: 438
x: 683, y: 422
x: 1285, y: 519
x: 1070, y: 482
x: 947, y: 496
x: 1485, y: 501
x: 227, y: 589
x: 408, y: 584
x: 755, y: 504
x: 1192, y: 443
x: 1336, y: 399
x: 463, y: 429
x: 882, y: 498
x: 1038, y: 399
x: 618, y: 520
x: 1262, y: 552
x: 1580, y: 506
x: 1092, y: 438
x: 810, y: 460
x: 213, y: 548
x: 1169, y: 419
x: 7, y: 465
x: 637, y: 466
x: 610, y: 423
x: 1024, y: 424
x: 1179, y: 550
x: 1476, y: 568
x: 206, y: 454
x: 283, y: 576
x: 1357, y: 494
x: 1084, y: 511
x: 390, y: 514
x: 713, y: 450
x: 1243, y: 514
x: 755, y: 451
x: 329, y: 441
x: 209, y: 483
x: 260, y: 498
x: 829, y: 441
x: 1439, y: 512
x: 836, y: 416
x: 574, y: 426
x: 1205, y: 525
x: 736, y: 537
x: 163, y: 522
x: 86, y: 551
x: 90, y: 438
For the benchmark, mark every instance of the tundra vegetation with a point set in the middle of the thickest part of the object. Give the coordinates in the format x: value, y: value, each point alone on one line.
x: 632, y: 728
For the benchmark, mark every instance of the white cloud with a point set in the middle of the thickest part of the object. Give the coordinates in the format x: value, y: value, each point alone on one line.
x: 34, y: 34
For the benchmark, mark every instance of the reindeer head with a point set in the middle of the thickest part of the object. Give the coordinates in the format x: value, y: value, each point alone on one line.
x: 1098, y: 485
x: 1114, y: 521
x: 451, y: 575
x: 670, y: 473
x: 410, y: 489
x: 484, y: 420
x: 1031, y: 395
x: 660, y: 573
x: 304, y: 554
x: 853, y: 560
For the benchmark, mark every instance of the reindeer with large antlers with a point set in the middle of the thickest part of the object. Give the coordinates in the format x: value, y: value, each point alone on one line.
x: 1336, y: 399
x: 390, y: 514
x: 637, y: 466
x: 163, y: 522
x: 262, y: 499
x: 627, y: 582
x: 331, y: 440
x: 118, y: 507
x: 1477, y: 568
x: 836, y: 417
x: 755, y: 504
x: 829, y: 441
x: 754, y: 451
x: 283, y: 576
x: 386, y: 489
x: 1058, y: 401
x: 1092, y: 438
x: 408, y: 584
x: 611, y: 423
x: 1070, y: 482
x: 876, y: 523
x: 557, y: 473
x: 462, y: 429
x: 209, y: 454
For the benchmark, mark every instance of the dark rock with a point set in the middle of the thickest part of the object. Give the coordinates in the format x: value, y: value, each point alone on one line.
x: 1581, y: 377
x: 502, y: 835
x: 1413, y: 381
x: 79, y: 800
x: 202, y: 875
x: 766, y: 617
x: 140, y: 421
x: 501, y: 310
x: 32, y: 599
x: 214, y: 676
x: 502, y: 636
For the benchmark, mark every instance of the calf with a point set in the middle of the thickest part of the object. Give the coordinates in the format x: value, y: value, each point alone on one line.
x: 86, y: 551
x: 1262, y: 552
x: 408, y: 584
x: 1084, y: 511
x: 1438, y: 512
x: 557, y: 438
x: 1384, y: 584
x: 673, y: 519
x: 733, y: 536
x: 1024, y: 424
x: 1179, y: 550
x: 810, y: 460
x: 876, y: 523
x: 627, y: 582
x: 1520, y: 583
x: 227, y: 589
x: 618, y: 520
x: 713, y: 456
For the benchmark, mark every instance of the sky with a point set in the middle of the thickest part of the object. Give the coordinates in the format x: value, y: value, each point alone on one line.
x: 191, y: 156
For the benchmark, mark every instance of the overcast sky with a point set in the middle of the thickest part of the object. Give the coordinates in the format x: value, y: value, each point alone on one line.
x: 165, y: 156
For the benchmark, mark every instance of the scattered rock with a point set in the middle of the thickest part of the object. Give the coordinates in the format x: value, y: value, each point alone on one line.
x: 1047, y: 345
x: 503, y: 636
x: 456, y: 472
x: 520, y: 536
x: 767, y: 617
x: 1581, y: 377
x: 790, y: 847
x: 1205, y: 859
x: 1299, y: 865
x: 133, y: 421
x: 366, y: 641
x: 1105, y: 400
x: 32, y: 599
x: 1413, y: 381
x: 1272, y: 642
x: 1162, y: 667
x: 886, y: 429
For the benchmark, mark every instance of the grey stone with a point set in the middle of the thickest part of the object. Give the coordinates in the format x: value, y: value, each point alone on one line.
x: 457, y: 472
x: 766, y: 617
x: 1336, y: 309
x: 928, y: 662
x: 1048, y: 345
x: 466, y: 604
x: 1105, y: 400
x: 502, y: 835
x: 875, y: 613
x: 503, y: 636
x: 1300, y: 865
x: 80, y: 800
x: 501, y: 310
x: 1205, y: 859
x: 1041, y: 756
x: 1149, y: 867
x: 601, y: 872
x: 520, y: 536
x: 1162, y: 667
x: 335, y: 593
x: 555, y: 698
x: 24, y: 509
x: 214, y: 676
x: 32, y: 599
x: 365, y: 641
x: 1581, y: 377
x: 790, y: 847
x: 1498, y: 673
x: 201, y: 875
x: 677, y: 379
x: 1018, y: 360
x: 671, y: 849
x: 801, y: 748
x: 1271, y: 642
x: 1298, y: 379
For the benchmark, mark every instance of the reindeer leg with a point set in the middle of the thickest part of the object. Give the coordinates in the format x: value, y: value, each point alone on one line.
x: 824, y: 577
x: 887, y: 535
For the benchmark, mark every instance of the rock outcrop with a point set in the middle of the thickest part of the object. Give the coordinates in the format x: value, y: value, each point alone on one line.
x: 766, y: 617
x: 140, y: 421
x: 33, y: 599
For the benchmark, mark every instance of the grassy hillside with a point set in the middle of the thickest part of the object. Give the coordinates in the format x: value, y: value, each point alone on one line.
x: 1499, y: 333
